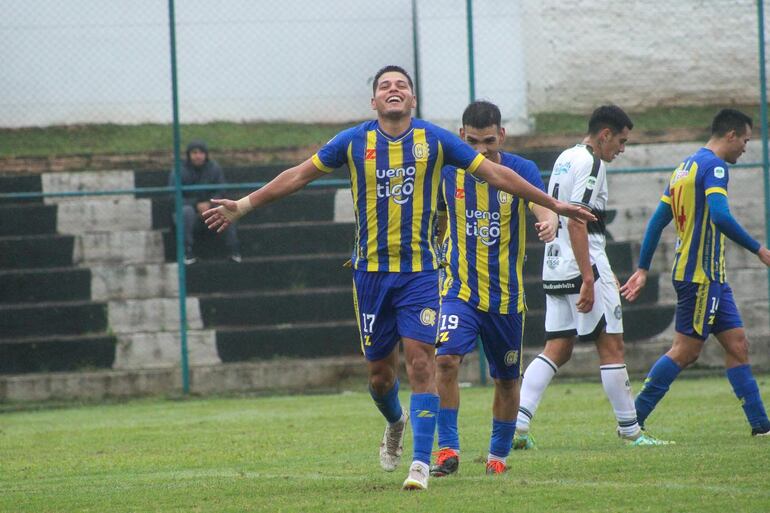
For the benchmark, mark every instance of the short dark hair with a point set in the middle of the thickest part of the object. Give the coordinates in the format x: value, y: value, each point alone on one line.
x: 727, y: 120
x: 386, y: 69
x: 609, y: 116
x: 481, y: 114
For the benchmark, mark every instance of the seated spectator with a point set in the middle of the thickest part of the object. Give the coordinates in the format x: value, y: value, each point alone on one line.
x: 199, y: 169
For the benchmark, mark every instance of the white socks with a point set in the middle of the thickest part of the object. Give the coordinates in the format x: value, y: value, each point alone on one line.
x: 618, y: 389
x: 537, y: 377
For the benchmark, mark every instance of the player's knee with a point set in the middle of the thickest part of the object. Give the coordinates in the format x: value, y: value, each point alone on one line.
x: 506, y: 385
x: 447, y: 367
x: 738, y: 349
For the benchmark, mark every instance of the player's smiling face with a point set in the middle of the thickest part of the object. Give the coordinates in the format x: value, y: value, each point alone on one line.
x: 486, y: 141
x: 393, y: 97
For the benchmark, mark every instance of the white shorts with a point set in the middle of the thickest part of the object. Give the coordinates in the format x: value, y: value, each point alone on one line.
x: 563, y: 320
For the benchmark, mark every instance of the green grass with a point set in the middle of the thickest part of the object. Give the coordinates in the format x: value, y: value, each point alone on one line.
x: 653, y: 121
x: 223, y: 136
x: 127, y: 139
x: 319, y: 454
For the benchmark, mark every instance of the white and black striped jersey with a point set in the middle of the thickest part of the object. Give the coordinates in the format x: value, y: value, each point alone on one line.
x: 578, y: 177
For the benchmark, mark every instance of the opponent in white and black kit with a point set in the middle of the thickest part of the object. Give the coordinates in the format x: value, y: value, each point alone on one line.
x: 582, y: 297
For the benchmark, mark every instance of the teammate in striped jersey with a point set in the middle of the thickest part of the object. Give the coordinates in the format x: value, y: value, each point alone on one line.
x: 696, y: 197
x: 483, y: 292
x: 582, y: 298
x: 394, y: 165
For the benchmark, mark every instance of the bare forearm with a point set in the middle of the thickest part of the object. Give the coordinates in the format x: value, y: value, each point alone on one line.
x: 286, y: 183
x: 502, y: 178
x: 543, y: 214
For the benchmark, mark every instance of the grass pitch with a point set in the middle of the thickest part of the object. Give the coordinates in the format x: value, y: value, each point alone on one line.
x: 319, y: 454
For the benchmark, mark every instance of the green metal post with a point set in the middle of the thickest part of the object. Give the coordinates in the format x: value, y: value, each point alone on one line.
x: 471, y: 63
x: 472, y: 95
x: 416, y: 50
x: 178, y: 204
x: 763, y: 115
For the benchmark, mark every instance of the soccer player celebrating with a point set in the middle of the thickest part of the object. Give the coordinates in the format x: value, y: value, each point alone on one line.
x: 696, y: 197
x: 395, y: 164
x: 582, y: 297
x: 483, y: 293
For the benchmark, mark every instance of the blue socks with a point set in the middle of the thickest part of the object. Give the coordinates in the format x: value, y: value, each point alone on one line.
x: 747, y: 391
x: 502, y: 435
x: 423, y: 409
x: 388, y: 404
x: 658, y: 381
x: 447, y: 429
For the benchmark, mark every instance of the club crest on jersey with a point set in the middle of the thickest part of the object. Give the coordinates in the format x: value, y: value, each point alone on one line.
x: 428, y: 317
x: 371, y: 154
x: 504, y: 198
x: 511, y: 358
x: 552, y: 254
x: 420, y: 151
x: 719, y: 172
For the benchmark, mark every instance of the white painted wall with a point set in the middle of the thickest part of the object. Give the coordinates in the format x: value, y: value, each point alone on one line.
x: 310, y: 60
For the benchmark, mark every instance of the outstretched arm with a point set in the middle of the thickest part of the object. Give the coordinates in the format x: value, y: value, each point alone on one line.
x: 288, y: 182
x: 500, y: 177
x: 659, y: 220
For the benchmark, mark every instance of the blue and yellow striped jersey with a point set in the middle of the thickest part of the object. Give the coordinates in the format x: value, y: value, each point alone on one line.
x: 486, y: 238
x: 395, y: 186
x: 700, y: 250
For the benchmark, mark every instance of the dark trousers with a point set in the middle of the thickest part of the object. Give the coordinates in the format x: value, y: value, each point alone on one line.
x: 194, y: 223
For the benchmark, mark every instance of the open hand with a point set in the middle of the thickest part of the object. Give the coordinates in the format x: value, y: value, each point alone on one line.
x: 633, y: 287
x: 220, y: 217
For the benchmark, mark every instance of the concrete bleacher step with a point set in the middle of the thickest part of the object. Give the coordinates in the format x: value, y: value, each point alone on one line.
x: 57, y: 353
x: 277, y: 307
x: 161, y: 349
x: 21, y: 183
x: 118, y: 246
x: 27, y: 219
x: 151, y: 315
x: 233, y: 174
x: 24, y: 252
x: 52, y: 318
x: 306, y: 205
x: 46, y: 284
x: 300, y: 340
x: 272, y: 273
x: 299, y: 238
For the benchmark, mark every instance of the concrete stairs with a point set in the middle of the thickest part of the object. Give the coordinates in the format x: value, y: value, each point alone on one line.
x: 91, y: 282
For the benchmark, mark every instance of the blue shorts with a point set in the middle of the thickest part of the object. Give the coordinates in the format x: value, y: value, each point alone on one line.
x: 704, y: 308
x: 390, y: 306
x: 460, y: 324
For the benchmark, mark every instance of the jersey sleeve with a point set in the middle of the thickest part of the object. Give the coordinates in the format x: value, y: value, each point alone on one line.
x: 715, y: 178
x: 585, y: 185
x: 333, y: 154
x: 666, y: 197
x: 457, y: 152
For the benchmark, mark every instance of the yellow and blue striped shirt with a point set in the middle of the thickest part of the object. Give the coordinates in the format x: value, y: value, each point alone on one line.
x: 395, y: 186
x: 700, y: 250
x: 486, y: 238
